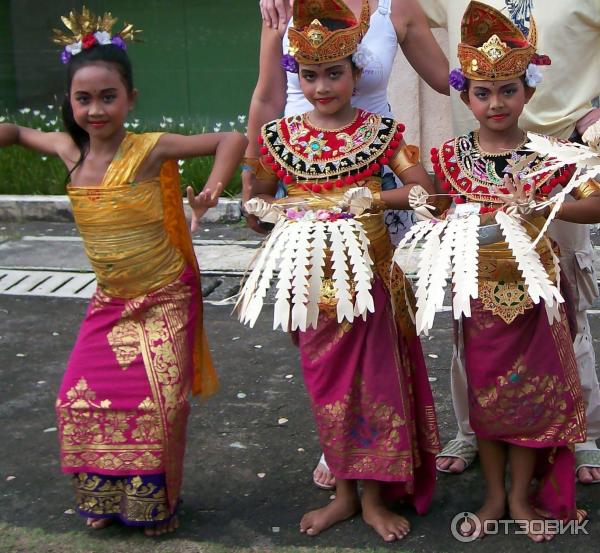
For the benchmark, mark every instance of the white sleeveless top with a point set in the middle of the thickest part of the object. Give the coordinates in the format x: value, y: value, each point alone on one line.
x: 371, y: 89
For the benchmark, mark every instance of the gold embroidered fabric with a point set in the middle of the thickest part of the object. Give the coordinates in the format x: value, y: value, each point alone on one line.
x: 95, y: 434
x: 502, y: 289
x: 133, y: 500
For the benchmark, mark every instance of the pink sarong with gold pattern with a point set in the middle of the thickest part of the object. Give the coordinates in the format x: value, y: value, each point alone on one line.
x: 522, y: 377
x: 369, y: 387
x: 123, y: 404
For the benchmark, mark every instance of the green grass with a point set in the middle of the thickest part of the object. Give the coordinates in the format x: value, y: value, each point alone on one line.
x: 26, y: 172
x: 29, y: 540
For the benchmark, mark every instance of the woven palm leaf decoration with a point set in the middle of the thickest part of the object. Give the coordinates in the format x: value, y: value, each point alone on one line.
x: 586, y: 160
x: 294, y: 256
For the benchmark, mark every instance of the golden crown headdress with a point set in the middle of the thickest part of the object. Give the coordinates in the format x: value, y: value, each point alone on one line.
x: 88, y: 30
x: 492, y: 47
x: 313, y: 42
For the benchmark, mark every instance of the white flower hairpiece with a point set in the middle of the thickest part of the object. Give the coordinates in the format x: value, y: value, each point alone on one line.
x: 362, y: 57
x: 533, y: 75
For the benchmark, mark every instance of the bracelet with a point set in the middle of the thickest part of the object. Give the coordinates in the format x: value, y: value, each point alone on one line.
x: 378, y: 203
x: 250, y: 164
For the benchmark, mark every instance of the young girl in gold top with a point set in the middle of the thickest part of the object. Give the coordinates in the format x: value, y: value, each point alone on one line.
x: 123, y: 404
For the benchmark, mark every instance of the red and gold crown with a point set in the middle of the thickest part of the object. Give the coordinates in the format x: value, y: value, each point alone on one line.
x: 312, y: 42
x: 492, y: 47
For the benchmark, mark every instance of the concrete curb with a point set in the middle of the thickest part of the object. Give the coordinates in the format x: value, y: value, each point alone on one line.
x: 57, y: 209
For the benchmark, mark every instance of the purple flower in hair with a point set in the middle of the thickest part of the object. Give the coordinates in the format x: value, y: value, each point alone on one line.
x: 65, y: 56
x: 289, y: 63
x: 457, y: 80
x: 118, y: 41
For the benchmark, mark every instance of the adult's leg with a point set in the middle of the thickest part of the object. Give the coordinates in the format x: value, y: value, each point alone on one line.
x: 587, y: 454
x: 460, y: 452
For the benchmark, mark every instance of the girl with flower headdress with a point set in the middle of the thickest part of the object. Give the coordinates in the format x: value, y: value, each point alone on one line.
x: 361, y: 359
x: 525, y: 402
x: 123, y: 404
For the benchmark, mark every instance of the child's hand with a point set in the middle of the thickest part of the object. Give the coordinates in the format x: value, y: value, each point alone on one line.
x: 518, y: 199
x: 201, y: 203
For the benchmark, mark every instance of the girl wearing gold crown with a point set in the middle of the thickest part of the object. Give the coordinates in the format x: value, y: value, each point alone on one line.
x: 525, y: 402
x: 123, y: 404
x: 348, y: 309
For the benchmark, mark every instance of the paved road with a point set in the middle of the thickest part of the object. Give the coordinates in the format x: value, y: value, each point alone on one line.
x: 247, y: 479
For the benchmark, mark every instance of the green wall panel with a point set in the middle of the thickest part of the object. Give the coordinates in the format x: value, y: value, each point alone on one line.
x: 199, y: 58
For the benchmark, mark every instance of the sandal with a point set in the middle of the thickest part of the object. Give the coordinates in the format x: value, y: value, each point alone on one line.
x: 459, y: 449
x: 323, y: 463
x: 590, y: 459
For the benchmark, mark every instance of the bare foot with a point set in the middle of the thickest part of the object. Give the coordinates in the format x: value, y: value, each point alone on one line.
x: 161, y: 529
x: 389, y: 525
x: 520, y: 509
x: 588, y: 475
x: 453, y: 464
x: 492, y: 509
x: 345, y: 505
x: 98, y: 523
x: 323, y: 478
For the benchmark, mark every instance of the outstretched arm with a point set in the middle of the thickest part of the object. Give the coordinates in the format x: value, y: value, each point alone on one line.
x: 47, y: 143
x: 227, y: 148
x: 419, y: 45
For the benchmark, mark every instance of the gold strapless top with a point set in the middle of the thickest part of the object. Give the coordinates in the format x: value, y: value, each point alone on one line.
x: 124, y: 237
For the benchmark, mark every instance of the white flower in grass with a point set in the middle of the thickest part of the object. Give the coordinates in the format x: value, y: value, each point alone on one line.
x: 242, y: 119
x: 50, y: 106
x: 167, y: 119
x: 36, y: 112
x: 126, y: 125
x: 232, y: 124
x: 135, y: 125
x: 2, y: 119
x: 44, y: 158
x: 162, y: 125
x: 42, y: 116
x: 181, y: 162
x: 182, y: 125
x: 25, y: 110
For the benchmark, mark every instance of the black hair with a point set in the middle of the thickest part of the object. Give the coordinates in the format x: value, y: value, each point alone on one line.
x: 107, y: 53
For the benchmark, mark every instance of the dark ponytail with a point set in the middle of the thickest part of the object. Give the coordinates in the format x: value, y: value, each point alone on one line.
x: 108, y: 53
